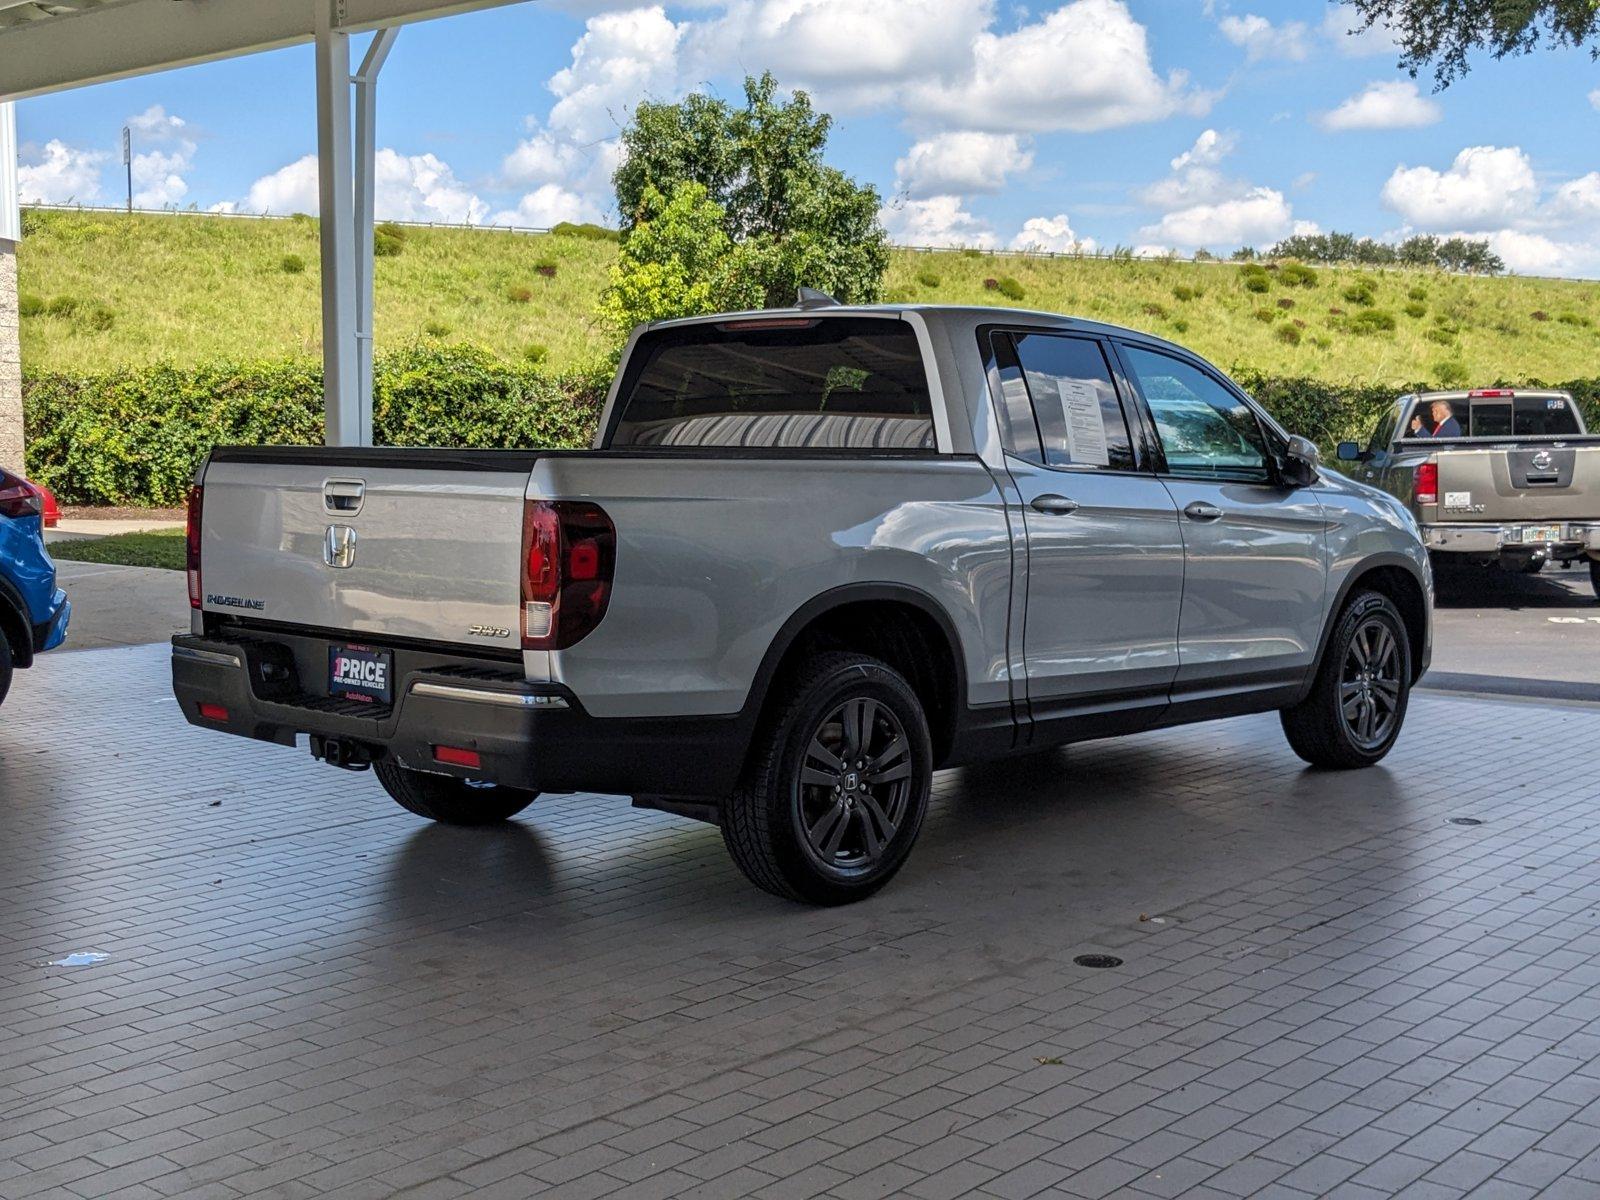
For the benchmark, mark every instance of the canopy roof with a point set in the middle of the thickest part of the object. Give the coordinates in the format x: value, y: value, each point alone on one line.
x: 49, y: 45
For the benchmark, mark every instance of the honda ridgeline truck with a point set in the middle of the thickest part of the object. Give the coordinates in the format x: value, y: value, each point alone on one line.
x: 814, y: 555
x: 1495, y: 476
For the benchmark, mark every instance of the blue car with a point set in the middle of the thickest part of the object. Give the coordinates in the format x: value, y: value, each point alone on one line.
x: 33, y: 611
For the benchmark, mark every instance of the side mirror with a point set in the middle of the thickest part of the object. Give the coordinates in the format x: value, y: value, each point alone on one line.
x: 1349, y: 452
x: 1301, y: 459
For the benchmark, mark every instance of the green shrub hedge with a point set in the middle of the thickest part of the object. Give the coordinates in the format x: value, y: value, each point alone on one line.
x: 135, y: 436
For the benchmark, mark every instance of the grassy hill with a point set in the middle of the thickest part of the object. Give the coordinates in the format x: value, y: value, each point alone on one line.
x: 104, y: 290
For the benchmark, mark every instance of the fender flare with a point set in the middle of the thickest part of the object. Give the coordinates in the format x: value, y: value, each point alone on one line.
x: 825, y: 602
x: 1388, y: 558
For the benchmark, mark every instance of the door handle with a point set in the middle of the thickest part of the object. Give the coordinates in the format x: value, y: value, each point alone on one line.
x: 1199, y: 510
x: 1059, y: 505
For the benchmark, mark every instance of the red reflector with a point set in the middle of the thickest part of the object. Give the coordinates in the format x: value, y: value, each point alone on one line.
x: 1428, y: 483
x: 455, y: 756
x: 1491, y: 393
x: 583, y: 562
x: 213, y: 712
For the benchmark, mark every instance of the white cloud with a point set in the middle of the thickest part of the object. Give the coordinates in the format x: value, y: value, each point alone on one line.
x: 1083, y: 67
x: 548, y: 205
x: 60, y: 174
x: 289, y: 189
x: 164, y: 148
x: 936, y: 221
x: 1208, y: 150
x: 1493, y: 193
x: 1486, y: 187
x: 541, y: 158
x: 849, y: 53
x: 1051, y: 233
x: 1392, y: 104
x: 622, y: 58
x: 1260, y: 38
x: 962, y: 163
x: 1259, y: 215
x: 418, y: 187
x: 1594, y: 99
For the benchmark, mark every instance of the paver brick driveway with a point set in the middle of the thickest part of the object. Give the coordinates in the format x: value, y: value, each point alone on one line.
x: 309, y: 993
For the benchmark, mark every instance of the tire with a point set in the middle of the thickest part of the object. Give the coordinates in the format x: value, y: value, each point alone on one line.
x: 451, y: 801
x: 1532, y: 567
x: 7, y: 667
x: 806, y: 822
x: 1322, y: 728
x: 1594, y: 582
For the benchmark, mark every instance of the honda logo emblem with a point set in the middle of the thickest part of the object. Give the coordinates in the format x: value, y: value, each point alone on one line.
x: 339, y: 547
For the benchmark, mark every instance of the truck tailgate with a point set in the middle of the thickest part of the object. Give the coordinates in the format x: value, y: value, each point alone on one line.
x: 1532, y: 483
x: 404, y: 544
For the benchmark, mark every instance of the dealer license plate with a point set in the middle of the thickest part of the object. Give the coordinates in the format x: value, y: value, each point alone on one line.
x: 361, y: 673
x: 1540, y: 534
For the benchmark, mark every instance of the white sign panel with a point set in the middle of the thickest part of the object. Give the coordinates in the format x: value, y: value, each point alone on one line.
x: 1086, y: 423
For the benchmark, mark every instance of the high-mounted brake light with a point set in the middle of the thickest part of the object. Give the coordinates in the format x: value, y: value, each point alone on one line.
x: 191, y: 544
x: 18, y: 497
x: 766, y: 323
x: 569, y: 555
x: 1491, y: 393
x: 1428, y: 483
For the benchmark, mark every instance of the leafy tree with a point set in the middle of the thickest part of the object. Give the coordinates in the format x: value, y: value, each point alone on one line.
x: 792, y: 219
x: 1442, y: 33
x: 677, y: 260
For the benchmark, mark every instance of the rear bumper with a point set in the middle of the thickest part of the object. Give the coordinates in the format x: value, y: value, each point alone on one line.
x: 1578, y: 539
x: 527, y: 735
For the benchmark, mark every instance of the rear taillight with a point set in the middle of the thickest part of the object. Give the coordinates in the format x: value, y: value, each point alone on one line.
x: 191, y: 544
x: 18, y: 497
x: 569, y: 555
x: 1428, y: 483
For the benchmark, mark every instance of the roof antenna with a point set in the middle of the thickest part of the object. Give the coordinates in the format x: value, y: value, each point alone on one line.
x: 810, y: 298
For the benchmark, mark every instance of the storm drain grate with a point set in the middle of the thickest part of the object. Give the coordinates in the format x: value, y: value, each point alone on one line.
x: 1098, y: 961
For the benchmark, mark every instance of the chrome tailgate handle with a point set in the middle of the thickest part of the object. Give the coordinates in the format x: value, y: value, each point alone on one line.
x: 343, y: 497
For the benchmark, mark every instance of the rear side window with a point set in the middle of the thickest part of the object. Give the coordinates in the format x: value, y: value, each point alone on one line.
x: 791, y: 382
x: 1061, y: 386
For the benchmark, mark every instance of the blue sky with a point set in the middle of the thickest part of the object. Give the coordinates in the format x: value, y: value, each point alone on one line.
x: 1147, y: 123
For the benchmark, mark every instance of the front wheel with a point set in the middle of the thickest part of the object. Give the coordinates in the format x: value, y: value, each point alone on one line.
x: 1594, y: 576
x: 837, y: 785
x: 6, y: 666
x: 451, y: 801
x: 1363, y: 685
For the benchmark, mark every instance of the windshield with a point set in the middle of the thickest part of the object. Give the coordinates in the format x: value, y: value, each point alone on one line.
x: 796, y: 382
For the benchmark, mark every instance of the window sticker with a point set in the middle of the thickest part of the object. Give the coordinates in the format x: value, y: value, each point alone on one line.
x: 1557, y: 404
x: 1086, y: 423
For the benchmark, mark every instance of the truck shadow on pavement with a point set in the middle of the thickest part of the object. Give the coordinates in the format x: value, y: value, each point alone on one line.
x: 1491, y: 587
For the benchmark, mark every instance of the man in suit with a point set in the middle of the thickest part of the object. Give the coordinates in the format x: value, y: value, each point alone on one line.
x: 1445, y: 424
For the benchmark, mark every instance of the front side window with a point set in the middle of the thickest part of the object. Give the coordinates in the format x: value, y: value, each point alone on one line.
x: 1205, y: 430
x: 788, y: 382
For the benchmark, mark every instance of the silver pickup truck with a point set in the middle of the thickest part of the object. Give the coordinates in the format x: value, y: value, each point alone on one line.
x: 1494, y: 476
x: 814, y: 555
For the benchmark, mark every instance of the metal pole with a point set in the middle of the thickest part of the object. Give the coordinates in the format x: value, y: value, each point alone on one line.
x: 127, y: 161
x: 365, y: 82
x: 340, y: 380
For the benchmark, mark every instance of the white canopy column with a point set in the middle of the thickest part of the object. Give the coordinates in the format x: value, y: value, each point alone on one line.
x: 11, y: 439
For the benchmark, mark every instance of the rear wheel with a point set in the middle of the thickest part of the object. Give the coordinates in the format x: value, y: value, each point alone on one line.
x: 1594, y: 576
x: 6, y: 667
x: 837, y: 786
x: 451, y: 801
x: 1363, y: 685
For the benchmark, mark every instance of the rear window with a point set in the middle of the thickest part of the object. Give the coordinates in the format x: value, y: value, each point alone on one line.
x: 805, y: 383
x: 1499, y: 416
